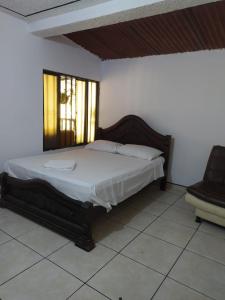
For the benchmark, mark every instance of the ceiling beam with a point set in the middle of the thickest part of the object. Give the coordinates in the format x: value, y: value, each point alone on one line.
x: 106, y: 13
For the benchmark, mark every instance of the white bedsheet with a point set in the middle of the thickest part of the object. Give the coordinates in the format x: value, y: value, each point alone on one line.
x: 102, y: 178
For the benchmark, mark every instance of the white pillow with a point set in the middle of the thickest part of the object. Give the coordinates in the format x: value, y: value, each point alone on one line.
x: 139, y: 151
x: 103, y: 145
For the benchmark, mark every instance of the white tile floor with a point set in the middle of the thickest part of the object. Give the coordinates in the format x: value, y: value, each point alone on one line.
x: 149, y: 248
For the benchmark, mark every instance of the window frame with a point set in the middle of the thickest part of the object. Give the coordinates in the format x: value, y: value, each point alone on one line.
x: 86, y: 80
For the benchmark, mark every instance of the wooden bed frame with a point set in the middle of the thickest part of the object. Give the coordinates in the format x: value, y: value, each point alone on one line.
x: 39, y: 201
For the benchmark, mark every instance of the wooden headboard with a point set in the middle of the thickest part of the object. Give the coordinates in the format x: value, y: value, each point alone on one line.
x: 132, y: 129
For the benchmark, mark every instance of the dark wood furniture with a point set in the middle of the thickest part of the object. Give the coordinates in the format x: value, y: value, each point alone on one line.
x: 41, y: 202
x: 212, y: 188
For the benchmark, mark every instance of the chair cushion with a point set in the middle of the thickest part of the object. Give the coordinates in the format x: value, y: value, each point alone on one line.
x: 215, y: 171
x: 209, y: 191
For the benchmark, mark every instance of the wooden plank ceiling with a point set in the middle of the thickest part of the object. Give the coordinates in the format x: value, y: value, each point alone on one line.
x: 192, y: 29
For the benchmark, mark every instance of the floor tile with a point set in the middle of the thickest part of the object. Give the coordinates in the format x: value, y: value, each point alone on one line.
x: 15, y: 258
x: 149, y: 202
x: 171, y: 290
x: 168, y: 198
x: 4, y: 237
x: 141, y: 200
x: 132, y: 218
x: 183, y: 204
x: 153, y: 253
x: 154, y: 187
x: 87, y: 293
x: 113, y: 235
x: 81, y: 263
x: 156, y: 208
x: 180, y: 216
x: 200, y: 273
x: 42, y: 240
x: 150, y: 194
x: 44, y: 281
x: 15, y: 224
x: 209, y: 246
x: 174, y: 188
x: 3, y: 210
x: 171, y: 232
x: 125, y: 278
x: 213, y: 229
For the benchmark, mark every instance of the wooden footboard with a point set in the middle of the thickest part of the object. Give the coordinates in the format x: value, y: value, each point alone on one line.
x: 38, y: 200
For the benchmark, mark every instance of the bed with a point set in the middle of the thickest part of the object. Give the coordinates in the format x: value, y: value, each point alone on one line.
x: 69, y: 202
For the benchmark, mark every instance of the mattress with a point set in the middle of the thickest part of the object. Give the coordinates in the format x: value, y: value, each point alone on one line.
x: 102, y: 178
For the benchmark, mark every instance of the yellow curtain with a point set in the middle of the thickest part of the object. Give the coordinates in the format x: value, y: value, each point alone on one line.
x: 50, y: 111
x: 80, y: 110
x: 92, y: 90
x: 73, y: 115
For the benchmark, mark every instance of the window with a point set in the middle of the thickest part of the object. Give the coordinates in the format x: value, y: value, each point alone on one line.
x: 70, y: 110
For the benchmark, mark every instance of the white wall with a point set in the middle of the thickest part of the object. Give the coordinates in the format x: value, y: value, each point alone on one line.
x: 182, y: 95
x: 22, y: 60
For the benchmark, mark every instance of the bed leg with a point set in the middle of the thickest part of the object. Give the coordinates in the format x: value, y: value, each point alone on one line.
x: 2, y: 204
x: 198, y: 219
x: 85, y: 243
x: 3, y: 185
x: 85, y: 240
x: 162, y: 184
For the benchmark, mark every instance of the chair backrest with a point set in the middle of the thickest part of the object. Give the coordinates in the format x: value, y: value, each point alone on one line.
x: 215, y: 170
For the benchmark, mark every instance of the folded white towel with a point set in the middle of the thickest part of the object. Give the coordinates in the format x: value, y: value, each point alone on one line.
x: 65, y: 165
